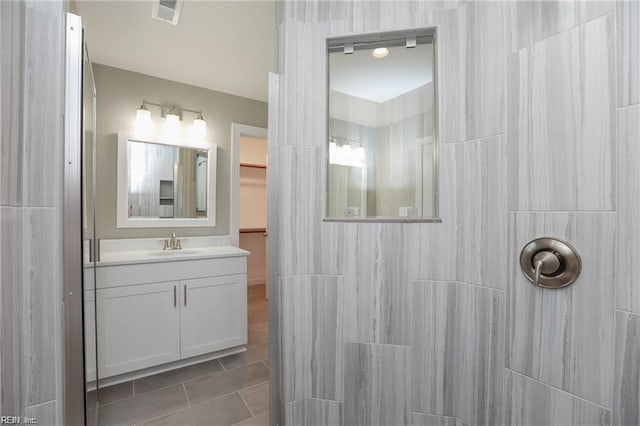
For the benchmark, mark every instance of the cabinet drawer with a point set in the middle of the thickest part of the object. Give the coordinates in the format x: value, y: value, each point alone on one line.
x: 141, y: 273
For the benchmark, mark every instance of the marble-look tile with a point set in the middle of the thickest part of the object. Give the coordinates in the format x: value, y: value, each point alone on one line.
x: 312, y: 323
x: 435, y: 324
x: 308, y: 245
x: 376, y: 283
x: 42, y: 107
x: 40, y: 295
x: 562, y: 121
x: 11, y: 277
x: 314, y: 412
x: 305, y: 87
x: 276, y: 403
x: 433, y: 246
x: 320, y: 412
x: 457, y: 351
x: 376, y: 384
x: 12, y: 26
x: 564, y: 337
x: 45, y: 414
x: 529, y: 402
x: 482, y: 207
x: 472, y: 45
x: 628, y: 16
x: 626, y: 388
x: 628, y: 226
x: 420, y: 419
x: 534, y: 21
x: 294, y: 413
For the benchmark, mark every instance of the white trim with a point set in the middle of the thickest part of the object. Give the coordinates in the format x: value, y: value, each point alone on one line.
x: 238, y: 130
x: 123, y: 219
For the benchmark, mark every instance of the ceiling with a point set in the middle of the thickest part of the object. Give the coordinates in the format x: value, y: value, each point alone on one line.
x: 381, y: 79
x: 228, y: 46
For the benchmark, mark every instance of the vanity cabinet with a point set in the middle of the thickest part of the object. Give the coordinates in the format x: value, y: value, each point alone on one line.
x: 208, y: 321
x: 149, y: 314
x: 138, y: 327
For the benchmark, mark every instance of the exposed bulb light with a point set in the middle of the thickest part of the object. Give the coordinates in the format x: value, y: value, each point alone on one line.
x: 380, y: 52
x: 143, y: 121
x: 172, y: 125
x: 199, y: 126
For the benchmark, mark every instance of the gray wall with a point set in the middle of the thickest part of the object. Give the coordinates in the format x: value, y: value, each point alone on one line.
x: 31, y: 148
x: 423, y: 324
x: 119, y: 94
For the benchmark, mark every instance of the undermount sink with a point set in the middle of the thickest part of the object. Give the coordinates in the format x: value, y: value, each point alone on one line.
x: 173, y: 252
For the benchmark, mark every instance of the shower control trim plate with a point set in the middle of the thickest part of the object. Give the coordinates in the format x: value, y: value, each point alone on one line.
x: 550, y: 262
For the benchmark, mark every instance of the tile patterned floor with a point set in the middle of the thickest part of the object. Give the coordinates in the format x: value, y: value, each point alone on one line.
x: 229, y: 391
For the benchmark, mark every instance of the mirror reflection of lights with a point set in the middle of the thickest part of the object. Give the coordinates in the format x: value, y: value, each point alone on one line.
x: 380, y: 52
x: 346, y: 155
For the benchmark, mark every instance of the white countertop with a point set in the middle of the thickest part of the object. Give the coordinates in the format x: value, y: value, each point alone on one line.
x: 126, y: 257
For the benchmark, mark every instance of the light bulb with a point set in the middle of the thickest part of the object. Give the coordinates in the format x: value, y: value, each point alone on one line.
x: 380, y: 52
x: 172, y: 125
x: 199, y: 127
x: 143, y: 121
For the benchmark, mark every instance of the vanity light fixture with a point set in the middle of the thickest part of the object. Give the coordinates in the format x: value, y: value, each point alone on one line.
x: 380, y: 52
x: 199, y: 126
x: 172, y: 115
x: 143, y: 121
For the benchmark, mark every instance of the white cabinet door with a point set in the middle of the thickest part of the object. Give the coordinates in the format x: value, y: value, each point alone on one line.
x: 138, y: 327
x: 214, y: 314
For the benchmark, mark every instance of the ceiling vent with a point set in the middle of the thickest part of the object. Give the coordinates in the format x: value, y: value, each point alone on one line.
x: 167, y: 10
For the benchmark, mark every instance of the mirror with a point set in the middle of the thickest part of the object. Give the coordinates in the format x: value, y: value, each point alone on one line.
x: 163, y: 184
x: 382, y: 138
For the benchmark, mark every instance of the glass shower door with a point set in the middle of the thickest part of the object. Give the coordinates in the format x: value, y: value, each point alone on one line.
x: 90, y: 248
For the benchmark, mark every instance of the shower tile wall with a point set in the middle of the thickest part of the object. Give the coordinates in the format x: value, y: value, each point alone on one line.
x: 31, y: 41
x: 529, y: 97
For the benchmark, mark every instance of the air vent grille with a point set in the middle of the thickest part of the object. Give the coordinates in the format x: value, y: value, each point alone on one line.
x: 167, y: 10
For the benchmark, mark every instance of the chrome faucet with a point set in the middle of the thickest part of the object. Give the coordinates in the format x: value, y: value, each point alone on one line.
x: 173, y: 243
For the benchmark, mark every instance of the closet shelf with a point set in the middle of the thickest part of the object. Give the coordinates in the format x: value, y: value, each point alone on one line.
x: 255, y: 166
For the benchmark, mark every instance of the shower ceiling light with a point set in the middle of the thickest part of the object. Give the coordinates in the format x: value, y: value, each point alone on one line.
x: 380, y: 52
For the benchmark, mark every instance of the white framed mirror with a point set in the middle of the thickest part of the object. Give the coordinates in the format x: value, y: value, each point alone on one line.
x: 165, y: 183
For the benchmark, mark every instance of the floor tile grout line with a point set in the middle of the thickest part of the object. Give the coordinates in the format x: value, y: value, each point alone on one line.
x: 184, y: 388
x: 186, y: 382
x: 253, y: 386
x: 241, y: 422
x: 191, y: 406
x: 183, y: 383
x: 246, y: 405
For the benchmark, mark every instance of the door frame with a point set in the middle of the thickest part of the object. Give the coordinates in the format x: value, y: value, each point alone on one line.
x: 237, y: 131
